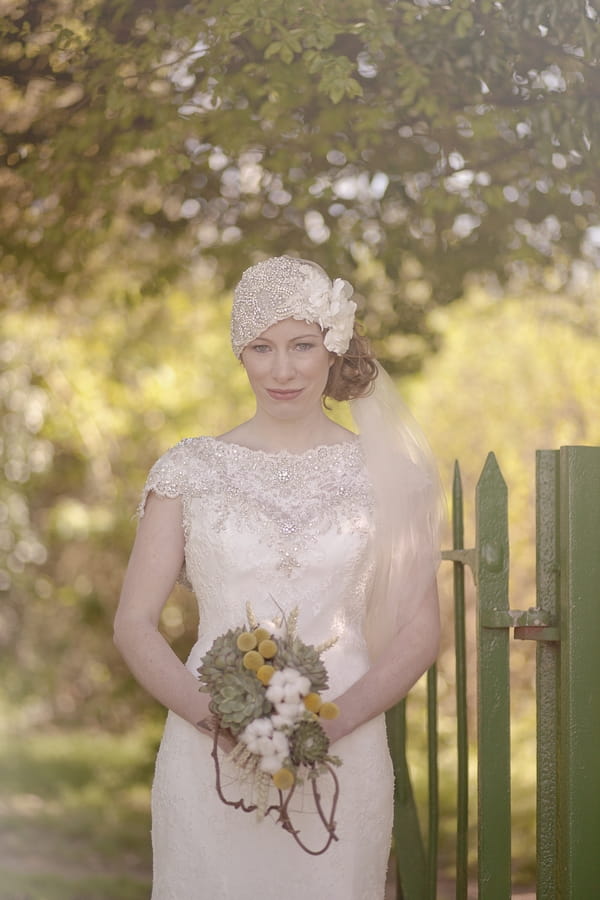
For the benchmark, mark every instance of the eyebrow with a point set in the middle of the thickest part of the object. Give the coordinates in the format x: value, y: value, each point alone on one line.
x: 310, y: 334
x: 298, y: 337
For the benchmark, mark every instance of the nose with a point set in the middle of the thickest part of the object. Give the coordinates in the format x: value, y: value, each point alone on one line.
x: 283, y: 368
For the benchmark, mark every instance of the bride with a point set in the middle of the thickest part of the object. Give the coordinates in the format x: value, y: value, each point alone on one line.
x: 288, y: 510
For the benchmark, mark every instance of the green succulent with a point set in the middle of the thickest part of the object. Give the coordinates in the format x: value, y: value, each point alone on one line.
x: 223, y: 657
x: 237, y: 699
x: 295, y: 654
x: 308, y: 743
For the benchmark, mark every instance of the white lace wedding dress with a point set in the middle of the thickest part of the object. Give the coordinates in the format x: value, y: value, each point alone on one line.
x: 278, y: 530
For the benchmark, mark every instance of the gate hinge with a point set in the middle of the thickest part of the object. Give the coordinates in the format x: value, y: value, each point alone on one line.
x: 532, y: 625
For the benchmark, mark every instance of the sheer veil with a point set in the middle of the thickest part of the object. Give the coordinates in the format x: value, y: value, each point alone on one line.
x: 409, y: 509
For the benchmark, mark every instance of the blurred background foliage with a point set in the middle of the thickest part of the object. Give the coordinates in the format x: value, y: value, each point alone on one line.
x: 86, y: 415
x: 440, y: 155
x: 445, y: 139
x: 90, y: 397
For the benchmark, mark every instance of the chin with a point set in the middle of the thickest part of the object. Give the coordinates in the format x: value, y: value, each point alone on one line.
x: 292, y: 409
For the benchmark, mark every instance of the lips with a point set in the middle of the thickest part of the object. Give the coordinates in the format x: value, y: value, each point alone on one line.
x: 283, y: 395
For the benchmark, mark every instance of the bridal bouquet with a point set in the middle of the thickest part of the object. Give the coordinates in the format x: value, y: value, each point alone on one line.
x: 265, y: 686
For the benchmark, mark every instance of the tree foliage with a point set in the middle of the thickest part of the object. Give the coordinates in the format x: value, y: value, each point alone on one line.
x: 512, y: 378
x: 89, y: 399
x: 439, y: 138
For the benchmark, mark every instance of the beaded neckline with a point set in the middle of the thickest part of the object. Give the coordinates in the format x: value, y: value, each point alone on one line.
x: 320, y: 450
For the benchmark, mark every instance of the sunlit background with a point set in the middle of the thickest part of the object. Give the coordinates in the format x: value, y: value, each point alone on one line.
x: 441, y: 156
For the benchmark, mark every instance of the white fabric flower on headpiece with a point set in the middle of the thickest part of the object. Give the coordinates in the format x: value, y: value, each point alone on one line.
x: 332, y: 308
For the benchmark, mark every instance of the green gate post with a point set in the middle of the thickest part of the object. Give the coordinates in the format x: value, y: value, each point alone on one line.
x: 493, y: 719
x: 547, y: 670
x: 579, y: 725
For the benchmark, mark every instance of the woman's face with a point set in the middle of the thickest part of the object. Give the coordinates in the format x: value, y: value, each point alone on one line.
x: 287, y: 366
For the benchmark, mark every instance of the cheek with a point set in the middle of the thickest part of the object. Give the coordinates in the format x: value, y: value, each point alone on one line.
x: 321, y: 369
x: 251, y: 373
x: 252, y: 363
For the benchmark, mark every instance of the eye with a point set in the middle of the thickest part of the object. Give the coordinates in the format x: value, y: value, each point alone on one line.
x: 304, y: 345
x: 260, y: 348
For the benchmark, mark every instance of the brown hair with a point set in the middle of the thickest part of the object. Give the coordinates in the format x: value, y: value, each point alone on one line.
x: 353, y: 372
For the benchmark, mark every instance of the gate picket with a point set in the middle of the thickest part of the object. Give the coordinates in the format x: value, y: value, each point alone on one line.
x: 493, y: 701
x: 460, y: 656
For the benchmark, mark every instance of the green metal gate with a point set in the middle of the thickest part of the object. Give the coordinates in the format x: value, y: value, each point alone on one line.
x: 565, y: 623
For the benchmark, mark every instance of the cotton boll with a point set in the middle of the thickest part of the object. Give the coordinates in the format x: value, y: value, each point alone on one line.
x: 274, y: 630
x: 291, y: 711
x: 290, y: 675
x: 291, y: 694
x: 280, y: 743
x: 277, y: 744
x: 263, y: 727
x: 275, y: 692
x: 246, y: 736
x: 251, y: 742
x: 271, y: 764
x: 280, y: 721
x: 304, y: 686
x: 265, y: 746
x: 257, y: 729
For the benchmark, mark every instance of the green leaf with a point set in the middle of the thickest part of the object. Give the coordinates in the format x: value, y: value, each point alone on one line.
x: 273, y: 49
x: 464, y: 24
x: 336, y: 91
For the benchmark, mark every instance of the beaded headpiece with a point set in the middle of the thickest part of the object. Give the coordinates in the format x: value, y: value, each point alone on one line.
x: 286, y: 288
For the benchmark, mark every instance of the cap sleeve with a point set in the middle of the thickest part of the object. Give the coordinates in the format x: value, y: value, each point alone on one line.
x: 168, y: 477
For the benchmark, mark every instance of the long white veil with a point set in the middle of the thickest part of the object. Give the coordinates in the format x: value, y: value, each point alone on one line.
x: 409, y: 509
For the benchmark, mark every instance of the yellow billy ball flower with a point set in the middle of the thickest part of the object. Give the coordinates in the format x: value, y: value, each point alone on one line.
x: 246, y: 641
x: 268, y: 648
x: 265, y: 673
x: 261, y: 634
x: 313, y: 702
x: 283, y: 779
x: 253, y: 660
x: 329, y: 710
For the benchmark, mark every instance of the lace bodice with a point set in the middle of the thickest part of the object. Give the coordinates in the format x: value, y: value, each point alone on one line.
x: 279, y: 530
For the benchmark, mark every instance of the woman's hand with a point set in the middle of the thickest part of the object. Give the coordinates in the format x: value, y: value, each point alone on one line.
x: 226, y: 739
x: 334, y: 728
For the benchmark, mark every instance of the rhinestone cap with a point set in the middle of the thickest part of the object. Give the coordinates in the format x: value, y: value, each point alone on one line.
x: 283, y: 287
